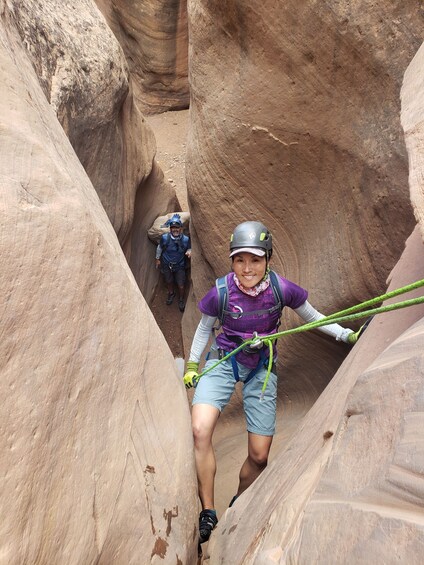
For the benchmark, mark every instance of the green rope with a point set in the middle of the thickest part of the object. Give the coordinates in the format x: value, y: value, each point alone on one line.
x: 336, y: 318
x: 381, y: 298
x: 268, y: 343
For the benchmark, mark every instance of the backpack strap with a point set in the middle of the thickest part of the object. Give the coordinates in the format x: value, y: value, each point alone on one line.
x: 166, y: 242
x: 182, y: 244
x: 276, y: 289
x: 222, y: 289
x: 278, y: 293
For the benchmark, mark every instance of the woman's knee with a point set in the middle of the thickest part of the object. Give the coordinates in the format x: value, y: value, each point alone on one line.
x: 203, y: 428
x: 203, y: 420
x: 201, y: 433
x: 259, y: 458
x: 259, y: 447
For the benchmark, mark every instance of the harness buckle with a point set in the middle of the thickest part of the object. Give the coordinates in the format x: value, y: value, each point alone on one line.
x: 215, y: 353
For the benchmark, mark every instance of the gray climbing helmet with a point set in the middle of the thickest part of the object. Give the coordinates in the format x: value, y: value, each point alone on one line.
x: 251, y: 237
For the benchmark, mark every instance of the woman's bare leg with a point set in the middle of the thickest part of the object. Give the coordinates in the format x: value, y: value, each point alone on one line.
x: 204, y: 418
x: 256, y: 461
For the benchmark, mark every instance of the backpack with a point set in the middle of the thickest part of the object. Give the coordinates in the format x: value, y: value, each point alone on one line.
x: 222, y: 288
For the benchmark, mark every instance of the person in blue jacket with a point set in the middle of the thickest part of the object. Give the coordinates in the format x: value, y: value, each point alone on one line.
x: 171, y: 254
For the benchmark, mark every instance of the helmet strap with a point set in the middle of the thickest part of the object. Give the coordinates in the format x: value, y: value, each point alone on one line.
x: 267, y: 269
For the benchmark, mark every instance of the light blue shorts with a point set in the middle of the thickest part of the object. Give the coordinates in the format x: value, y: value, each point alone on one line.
x: 216, y: 387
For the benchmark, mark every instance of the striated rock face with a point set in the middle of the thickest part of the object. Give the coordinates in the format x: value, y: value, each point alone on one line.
x: 300, y: 129
x: 349, y: 486
x: 154, y: 36
x: 93, y: 470
x: 84, y: 75
x: 413, y: 123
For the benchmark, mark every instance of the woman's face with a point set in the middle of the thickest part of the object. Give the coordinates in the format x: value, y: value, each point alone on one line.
x: 250, y: 269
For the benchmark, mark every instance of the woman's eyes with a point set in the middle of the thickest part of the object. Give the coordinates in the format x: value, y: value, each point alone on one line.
x: 252, y: 260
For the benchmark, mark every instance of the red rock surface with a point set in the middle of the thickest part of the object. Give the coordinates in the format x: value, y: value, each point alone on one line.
x: 93, y: 469
x: 86, y: 78
x: 413, y: 123
x: 294, y: 121
x: 154, y: 37
x: 300, y: 128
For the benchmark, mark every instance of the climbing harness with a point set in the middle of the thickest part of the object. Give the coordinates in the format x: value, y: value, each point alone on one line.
x: 222, y: 289
x: 349, y: 314
x: 263, y: 362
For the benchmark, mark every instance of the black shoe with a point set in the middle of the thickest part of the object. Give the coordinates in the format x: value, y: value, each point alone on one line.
x: 207, y: 522
x: 170, y: 298
x: 181, y: 305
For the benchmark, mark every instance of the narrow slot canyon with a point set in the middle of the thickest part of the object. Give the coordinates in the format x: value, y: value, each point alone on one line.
x: 170, y: 131
x: 307, y: 120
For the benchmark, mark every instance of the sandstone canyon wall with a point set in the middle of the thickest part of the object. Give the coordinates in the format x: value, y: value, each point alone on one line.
x: 413, y: 123
x: 93, y: 470
x: 85, y: 77
x: 154, y: 36
x: 301, y: 129
x: 294, y: 120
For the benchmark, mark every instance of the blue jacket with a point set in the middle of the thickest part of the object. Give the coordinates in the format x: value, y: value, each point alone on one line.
x: 174, y: 250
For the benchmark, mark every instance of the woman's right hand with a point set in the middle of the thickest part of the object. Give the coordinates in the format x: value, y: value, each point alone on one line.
x: 191, y: 376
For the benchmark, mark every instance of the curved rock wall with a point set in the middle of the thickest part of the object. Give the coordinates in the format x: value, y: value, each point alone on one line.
x: 88, y: 456
x: 154, y: 36
x: 298, y: 125
x: 348, y: 488
x: 413, y: 124
x: 295, y: 122
x: 93, y: 469
x: 85, y: 77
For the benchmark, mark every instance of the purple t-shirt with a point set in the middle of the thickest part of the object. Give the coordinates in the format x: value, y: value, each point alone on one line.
x: 243, y: 327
